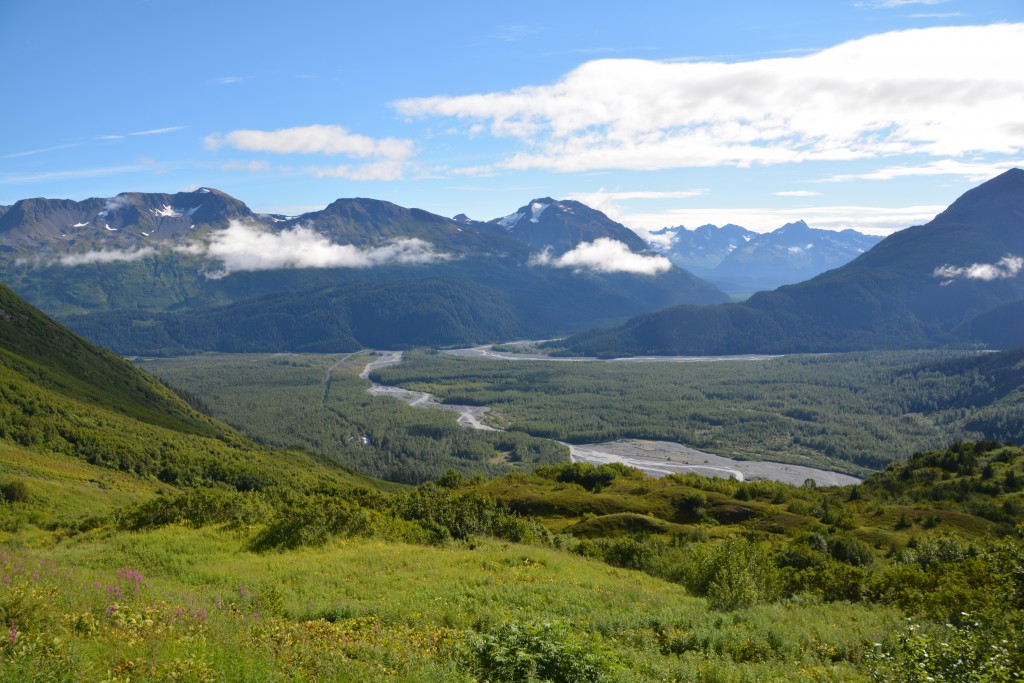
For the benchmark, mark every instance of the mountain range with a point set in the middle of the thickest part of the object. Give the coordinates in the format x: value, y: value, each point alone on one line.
x: 742, y: 262
x: 146, y: 273
x: 954, y: 281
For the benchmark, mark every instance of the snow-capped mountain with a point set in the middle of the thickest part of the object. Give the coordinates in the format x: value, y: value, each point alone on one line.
x: 143, y: 271
x: 130, y: 220
x: 742, y: 262
x: 563, y: 225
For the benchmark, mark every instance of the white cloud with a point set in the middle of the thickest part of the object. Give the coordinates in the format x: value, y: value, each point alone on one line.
x: 154, y: 131
x: 975, y: 171
x: 379, y: 170
x: 317, y: 139
x: 604, y: 255
x: 944, y: 91
x: 250, y: 166
x: 796, y: 193
x: 897, y: 3
x: 608, y: 203
x: 115, y: 203
x: 41, y: 150
x: 105, y: 256
x: 241, y: 247
x: 47, y: 176
x: 1006, y: 267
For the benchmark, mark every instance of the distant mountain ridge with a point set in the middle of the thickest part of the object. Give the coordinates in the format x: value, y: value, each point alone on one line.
x: 946, y: 282
x: 131, y: 219
x: 742, y: 261
x: 149, y: 267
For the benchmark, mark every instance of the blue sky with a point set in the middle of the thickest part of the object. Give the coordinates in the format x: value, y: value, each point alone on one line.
x: 871, y: 114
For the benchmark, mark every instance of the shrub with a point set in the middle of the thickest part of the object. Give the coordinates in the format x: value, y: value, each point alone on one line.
x: 536, y: 652
x: 313, y: 523
x: 15, y: 491
x: 851, y: 551
x: 972, y: 652
x: 733, y: 575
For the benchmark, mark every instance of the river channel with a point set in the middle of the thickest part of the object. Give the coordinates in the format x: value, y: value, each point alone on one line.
x: 655, y: 458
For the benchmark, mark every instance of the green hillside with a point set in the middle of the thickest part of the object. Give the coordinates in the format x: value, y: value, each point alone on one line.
x: 65, y: 397
x: 139, y: 549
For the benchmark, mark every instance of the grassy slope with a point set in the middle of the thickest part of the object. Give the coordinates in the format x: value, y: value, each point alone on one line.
x: 366, y: 610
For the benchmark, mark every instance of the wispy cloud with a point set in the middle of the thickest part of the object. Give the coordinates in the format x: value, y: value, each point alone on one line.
x: 73, y: 175
x: 105, y: 256
x: 242, y: 247
x: 229, y: 80
x: 1006, y: 267
x: 381, y: 170
x: 889, y: 4
x: 975, y: 171
x: 610, y: 203
x: 515, y: 33
x: 41, y: 150
x: 248, y: 166
x: 154, y: 131
x: 796, y: 193
x: 388, y: 158
x: 317, y: 139
x: 604, y: 255
x: 944, y: 91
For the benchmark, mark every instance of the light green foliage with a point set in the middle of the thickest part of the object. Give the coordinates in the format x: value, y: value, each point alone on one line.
x: 533, y: 651
x: 734, y: 574
x: 972, y: 652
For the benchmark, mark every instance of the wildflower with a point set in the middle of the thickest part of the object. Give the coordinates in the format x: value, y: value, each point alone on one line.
x: 12, y: 635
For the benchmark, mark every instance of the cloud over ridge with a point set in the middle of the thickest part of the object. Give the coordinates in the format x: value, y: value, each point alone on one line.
x: 105, y: 256
x: 1006, y: 267
x: 242, y: 247
x: 603, y: 255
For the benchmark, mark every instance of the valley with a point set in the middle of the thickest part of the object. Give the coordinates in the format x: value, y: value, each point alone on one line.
x: 516, y: 343
x: 656, y: 459
x: 201, y: 549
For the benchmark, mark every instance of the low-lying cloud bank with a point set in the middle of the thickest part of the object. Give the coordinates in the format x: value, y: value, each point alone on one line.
x: 1008, y: 266
x: 105, y: 256
x: 242, y: 247
x: 604, y: 255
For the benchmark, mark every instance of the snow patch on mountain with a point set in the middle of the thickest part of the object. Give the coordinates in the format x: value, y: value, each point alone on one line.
x: 510, y: 220
x: 537, y: 209
x: 166, y: 212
